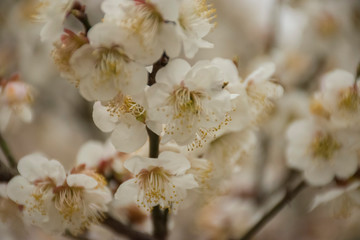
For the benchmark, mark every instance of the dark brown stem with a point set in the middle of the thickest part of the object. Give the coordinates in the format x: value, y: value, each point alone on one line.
x: 156, y: 67
x: 6, y: 150
x: 125, y: 230
x: 159, y: 217
x: 290, y: 195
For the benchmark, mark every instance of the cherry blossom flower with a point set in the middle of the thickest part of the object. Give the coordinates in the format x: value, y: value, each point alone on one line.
x: 56, y: 201
x: 321, y: 153
x: 105, y: 65
x: 262, y: 91
x: 193, y: 24
x: 338, y: 99
x: 341, y: 201
x: 63, y: 51
x: 102, y: 157
x: 15, y: 98
x: 126, y: 119
x: 190, y: 101
x: 161, y: 181
x: 53, y: 13
x: 152, y: 22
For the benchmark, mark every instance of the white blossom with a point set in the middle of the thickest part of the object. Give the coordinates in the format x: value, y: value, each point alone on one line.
x: 261, y: 91
x: 161, y: 181
x: 341, y: 201
x: 102, y: 157
x: 193, y: 24
x: 106, y: 65
x: 53, y: 13
x: 15, y: 99
x: 321, y: 153
x: 152, y: 22
x: 56, y: 201
x: 338, y: 99
x: 191, y: 102
x: 126, y: 119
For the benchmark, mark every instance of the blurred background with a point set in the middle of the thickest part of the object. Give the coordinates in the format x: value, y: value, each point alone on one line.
x: 304, y: 38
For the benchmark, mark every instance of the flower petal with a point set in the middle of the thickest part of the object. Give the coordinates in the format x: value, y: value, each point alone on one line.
x: 81, y: 180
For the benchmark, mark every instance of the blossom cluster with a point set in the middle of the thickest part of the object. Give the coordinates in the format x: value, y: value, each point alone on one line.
x: 128, y: 65
x: 325, y: 146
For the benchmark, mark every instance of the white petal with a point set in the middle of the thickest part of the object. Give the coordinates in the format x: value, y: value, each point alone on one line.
x: 138, y: 163
x: 90, y: 154
x: 319, y: 175
x: 19, y: 189
x: 32, y: 166
x: 176, y: 163
x: 102, y: 118
x: 81, y: 180
x: 127, y: 193
x: 55, y: 171
x: 173, y: 73
x: 346, y: 165
x: 129, y: 138
x: 186, y: 181
x: 262, y: 73
x: 134, y: 79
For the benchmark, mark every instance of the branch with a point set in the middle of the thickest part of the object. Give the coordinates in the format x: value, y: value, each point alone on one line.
x: 7, y: 152
x: 124, y: 230
x: 275, y: 210
x: 159, y: 217
x: 156, y: 67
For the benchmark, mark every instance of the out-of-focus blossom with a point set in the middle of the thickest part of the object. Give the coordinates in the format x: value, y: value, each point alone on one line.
x: 53, y: 13
x: 321, y: 153
x: 338, y: 99
x: 161, y: 181
x: 15, y: 99
x: 102, y: 157
x: 341, y: 201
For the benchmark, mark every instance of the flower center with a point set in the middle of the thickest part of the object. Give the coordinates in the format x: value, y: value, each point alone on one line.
x: 324, y: 146
x: 156, y: 186
x: 68, y: 200
x: 349, y: 100
x: 186, y: 102
x: 144, y: 20
x: 125, y: 104
x: 194, y: 14
x: 110, y: 61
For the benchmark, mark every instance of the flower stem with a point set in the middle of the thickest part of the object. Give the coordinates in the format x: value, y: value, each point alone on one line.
x: 272, y: 212
x: 124, y: 230
x: 5, y: 149
x: 159, y: 217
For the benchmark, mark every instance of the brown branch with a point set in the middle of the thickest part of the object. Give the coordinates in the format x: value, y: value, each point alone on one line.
x: 159, y: 217
x: 156, y: 67
x: 125, y: 230
x: 290, y: 195
x: 6, y: 150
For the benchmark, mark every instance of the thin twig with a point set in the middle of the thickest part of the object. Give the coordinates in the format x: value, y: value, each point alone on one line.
x: 156, y: 67
x: 6, y: 150
x: 125, y: 230
x: 275, y: 210
x: 159, y: 217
